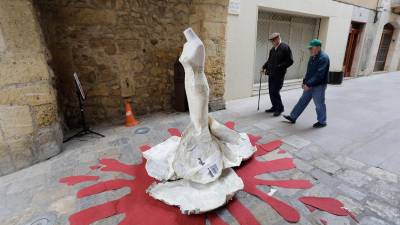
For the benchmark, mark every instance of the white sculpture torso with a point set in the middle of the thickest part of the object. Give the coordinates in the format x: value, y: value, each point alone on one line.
x: 196, y: 85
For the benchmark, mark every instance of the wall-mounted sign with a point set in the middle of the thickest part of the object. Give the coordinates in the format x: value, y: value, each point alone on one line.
x: 234, y: 7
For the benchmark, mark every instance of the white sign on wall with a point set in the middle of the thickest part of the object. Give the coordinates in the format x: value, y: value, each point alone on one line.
x: 234, y: 7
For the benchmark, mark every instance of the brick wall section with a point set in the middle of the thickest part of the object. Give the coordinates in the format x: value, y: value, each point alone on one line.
x: 208, y: 18
x: 120, y: 48
x: 29, y: 122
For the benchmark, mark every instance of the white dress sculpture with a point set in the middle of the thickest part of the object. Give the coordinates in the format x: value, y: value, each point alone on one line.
x: 196, y: 168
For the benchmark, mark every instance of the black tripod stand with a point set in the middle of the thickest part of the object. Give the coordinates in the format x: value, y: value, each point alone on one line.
x: 85, y: 128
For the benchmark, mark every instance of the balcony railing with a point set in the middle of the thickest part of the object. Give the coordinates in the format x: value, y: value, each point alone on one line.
x: 396, y: 6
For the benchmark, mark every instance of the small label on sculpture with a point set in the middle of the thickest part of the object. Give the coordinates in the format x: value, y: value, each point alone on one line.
x: 213, y: 170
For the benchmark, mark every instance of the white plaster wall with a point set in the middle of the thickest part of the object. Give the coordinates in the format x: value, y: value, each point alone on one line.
x: 393, y: 58
x: 242, y: 34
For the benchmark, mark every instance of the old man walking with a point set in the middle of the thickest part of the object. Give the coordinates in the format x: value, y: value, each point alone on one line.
x: 314, y: 85
x: 280, y: 58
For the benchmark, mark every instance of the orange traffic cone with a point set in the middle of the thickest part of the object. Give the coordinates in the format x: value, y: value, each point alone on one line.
x: 130, y: 119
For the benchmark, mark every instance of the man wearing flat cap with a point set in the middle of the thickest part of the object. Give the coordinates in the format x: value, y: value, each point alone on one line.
x: 280, y: 58
x: 314, y: 85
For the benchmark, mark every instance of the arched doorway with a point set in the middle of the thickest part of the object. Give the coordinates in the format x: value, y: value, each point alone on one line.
x: 384, y: 46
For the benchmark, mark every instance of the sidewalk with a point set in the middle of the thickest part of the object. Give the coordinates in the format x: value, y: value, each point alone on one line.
x: 355, y: 159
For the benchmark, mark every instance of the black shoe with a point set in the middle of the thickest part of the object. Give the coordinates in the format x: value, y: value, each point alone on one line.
x: 277, y: 113
x: 319, y: 125
x: 291, y: 120
x: 271, y: 110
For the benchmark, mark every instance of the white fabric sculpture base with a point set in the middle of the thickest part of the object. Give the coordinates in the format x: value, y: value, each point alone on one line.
x: 195, y: 169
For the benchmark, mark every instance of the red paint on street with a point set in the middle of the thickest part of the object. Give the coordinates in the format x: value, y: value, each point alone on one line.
x: 330, y: 205
x: 241, y: 213
x: 137, y: 206
x: 144, y: 148
x: 281, y: 151
x: 230, y: 125
x: 254, y: 139
x: 175, y: 132
x: 268, y: 147
x: 70, y: 181
x: 95, y: 167
x: 293, y: 184
x: 252, y: 168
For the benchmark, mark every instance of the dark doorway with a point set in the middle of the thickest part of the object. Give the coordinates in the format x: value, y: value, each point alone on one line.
x: 384, y: 46
x: 352, y: 43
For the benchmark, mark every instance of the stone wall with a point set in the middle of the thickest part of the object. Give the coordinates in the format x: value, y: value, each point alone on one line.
x: 208, y: 18
x: 127, y: 49
x: 29, y: 123
x: 120, y: 48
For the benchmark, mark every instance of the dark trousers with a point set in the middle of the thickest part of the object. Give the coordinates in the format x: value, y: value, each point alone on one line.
x: 275, y: 84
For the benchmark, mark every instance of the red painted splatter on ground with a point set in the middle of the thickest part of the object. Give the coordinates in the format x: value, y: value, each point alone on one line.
x: 281, y: 151
x: 175, y: 132
x: 77, y: 179
x: 95, y: 167
x: 330, y: 205
x: 230, y: 125
x: 141, y: 209
x: 324, y: 222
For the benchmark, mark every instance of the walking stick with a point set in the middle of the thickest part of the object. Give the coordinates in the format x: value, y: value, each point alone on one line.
x: 259, y: 92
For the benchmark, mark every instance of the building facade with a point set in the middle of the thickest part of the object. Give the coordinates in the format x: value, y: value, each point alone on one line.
x: 351, y: 31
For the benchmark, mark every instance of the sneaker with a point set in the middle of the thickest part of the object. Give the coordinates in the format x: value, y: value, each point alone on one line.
x: 271, y: 110
x: 319, y: 125
x: 290, y: 119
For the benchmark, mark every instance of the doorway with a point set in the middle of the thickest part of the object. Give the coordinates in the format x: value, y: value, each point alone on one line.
x: 296, y: 31
x: 352, y: 43
x: 384, y: 46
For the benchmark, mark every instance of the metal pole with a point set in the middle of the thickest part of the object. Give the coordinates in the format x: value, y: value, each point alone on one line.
x: 259, y: 92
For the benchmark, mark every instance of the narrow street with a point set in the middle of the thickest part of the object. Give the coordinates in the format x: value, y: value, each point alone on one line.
x: 356, y: 159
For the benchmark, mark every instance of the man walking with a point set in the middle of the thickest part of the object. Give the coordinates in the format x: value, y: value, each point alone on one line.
x: 280, y: 58
x: 314, y: 85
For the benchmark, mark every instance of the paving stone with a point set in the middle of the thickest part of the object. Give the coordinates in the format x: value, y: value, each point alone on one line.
x: 331, y: 219
x: 261, y: 211
x: 385, y: 211
x: 296, y: 141
x: 326, y: 166
x: 302, y: 165
x: 388, y: 192
x: 323, y: 177
x: 348, y: 162
x: 350, y: 204
x: 263, y: 125
x: 351, y: 192
x: 319, y: 190
x: 382, y: 174
x: 369, y: 220
x: 355, y: 178
x: 274, y: 155
x: 226, y: 216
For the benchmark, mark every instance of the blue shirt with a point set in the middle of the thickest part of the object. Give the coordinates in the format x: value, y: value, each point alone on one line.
x: 317, y: 70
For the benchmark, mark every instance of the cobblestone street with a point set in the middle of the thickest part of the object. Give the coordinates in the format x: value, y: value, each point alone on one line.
x: 355, y: 159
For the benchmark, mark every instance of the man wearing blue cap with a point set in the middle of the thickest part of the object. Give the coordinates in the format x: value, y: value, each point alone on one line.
x: 314, y: 85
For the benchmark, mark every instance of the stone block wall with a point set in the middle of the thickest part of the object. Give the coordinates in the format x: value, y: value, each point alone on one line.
x: 120, y: 48
x: 209, y: 18
x: 29, y: 124
x: 127, y: 49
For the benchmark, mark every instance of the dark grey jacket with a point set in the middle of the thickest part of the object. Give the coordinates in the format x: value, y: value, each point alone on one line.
x: 279, y: 60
